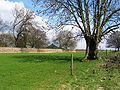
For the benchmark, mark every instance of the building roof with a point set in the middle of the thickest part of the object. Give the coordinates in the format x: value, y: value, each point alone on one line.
x: 52, y: 46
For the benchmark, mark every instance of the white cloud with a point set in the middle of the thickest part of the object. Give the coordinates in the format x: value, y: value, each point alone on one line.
x: 41, y: 21
x: 6, y: 11
x: 6, y: 8
x: 81, y: 44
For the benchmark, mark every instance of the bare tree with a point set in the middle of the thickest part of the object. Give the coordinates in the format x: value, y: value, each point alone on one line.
x: 22, y: 39
x: 6, y: 40
x: 95, y: 18
x: 25, y: 29
x: 22, y: 19
x: 36, y: 38
x: 113, y: 40
x: 66, y: 40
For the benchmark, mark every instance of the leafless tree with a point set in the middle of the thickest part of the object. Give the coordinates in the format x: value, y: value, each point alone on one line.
x: 94, y: 18
x: 22, y: 19
x: 113, y: 40
x: 36, y: 38
x: 6, y: 40
x: 26, y: 31
x: 66, y: 40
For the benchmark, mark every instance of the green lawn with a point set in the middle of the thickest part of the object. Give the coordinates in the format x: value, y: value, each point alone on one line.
x: 51, y: 71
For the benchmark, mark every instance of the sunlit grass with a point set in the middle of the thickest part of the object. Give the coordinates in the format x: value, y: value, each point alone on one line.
x: 51, y: 71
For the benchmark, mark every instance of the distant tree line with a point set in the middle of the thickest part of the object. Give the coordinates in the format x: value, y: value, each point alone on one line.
x: 24, y: 32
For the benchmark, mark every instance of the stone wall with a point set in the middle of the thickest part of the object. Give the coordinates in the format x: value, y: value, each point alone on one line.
x: 28, y: 50
x: 9, y: 50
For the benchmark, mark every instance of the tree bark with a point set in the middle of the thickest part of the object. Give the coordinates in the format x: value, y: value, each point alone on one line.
x: 92, y: 49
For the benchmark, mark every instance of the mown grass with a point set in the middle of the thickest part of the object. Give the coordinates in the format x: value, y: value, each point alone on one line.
x: 51, y: 71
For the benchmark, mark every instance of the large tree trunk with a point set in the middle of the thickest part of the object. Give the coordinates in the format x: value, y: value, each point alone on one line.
x: 20, y: 43
x: 91, y: 50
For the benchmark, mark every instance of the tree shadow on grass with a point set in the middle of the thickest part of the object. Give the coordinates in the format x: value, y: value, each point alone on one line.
x: 42, y: 58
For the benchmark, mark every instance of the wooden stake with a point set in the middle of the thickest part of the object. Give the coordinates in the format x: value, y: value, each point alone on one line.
x: 106, y: 52
x: 72, y: 65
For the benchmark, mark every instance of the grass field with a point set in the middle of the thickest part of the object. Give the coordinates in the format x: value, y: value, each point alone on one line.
x: 51, y: 71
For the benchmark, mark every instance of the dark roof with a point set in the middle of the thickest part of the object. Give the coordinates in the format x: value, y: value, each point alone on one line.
x: 52, y: 46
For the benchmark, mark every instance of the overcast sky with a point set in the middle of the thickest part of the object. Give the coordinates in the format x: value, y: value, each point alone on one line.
x: 6, y: 8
